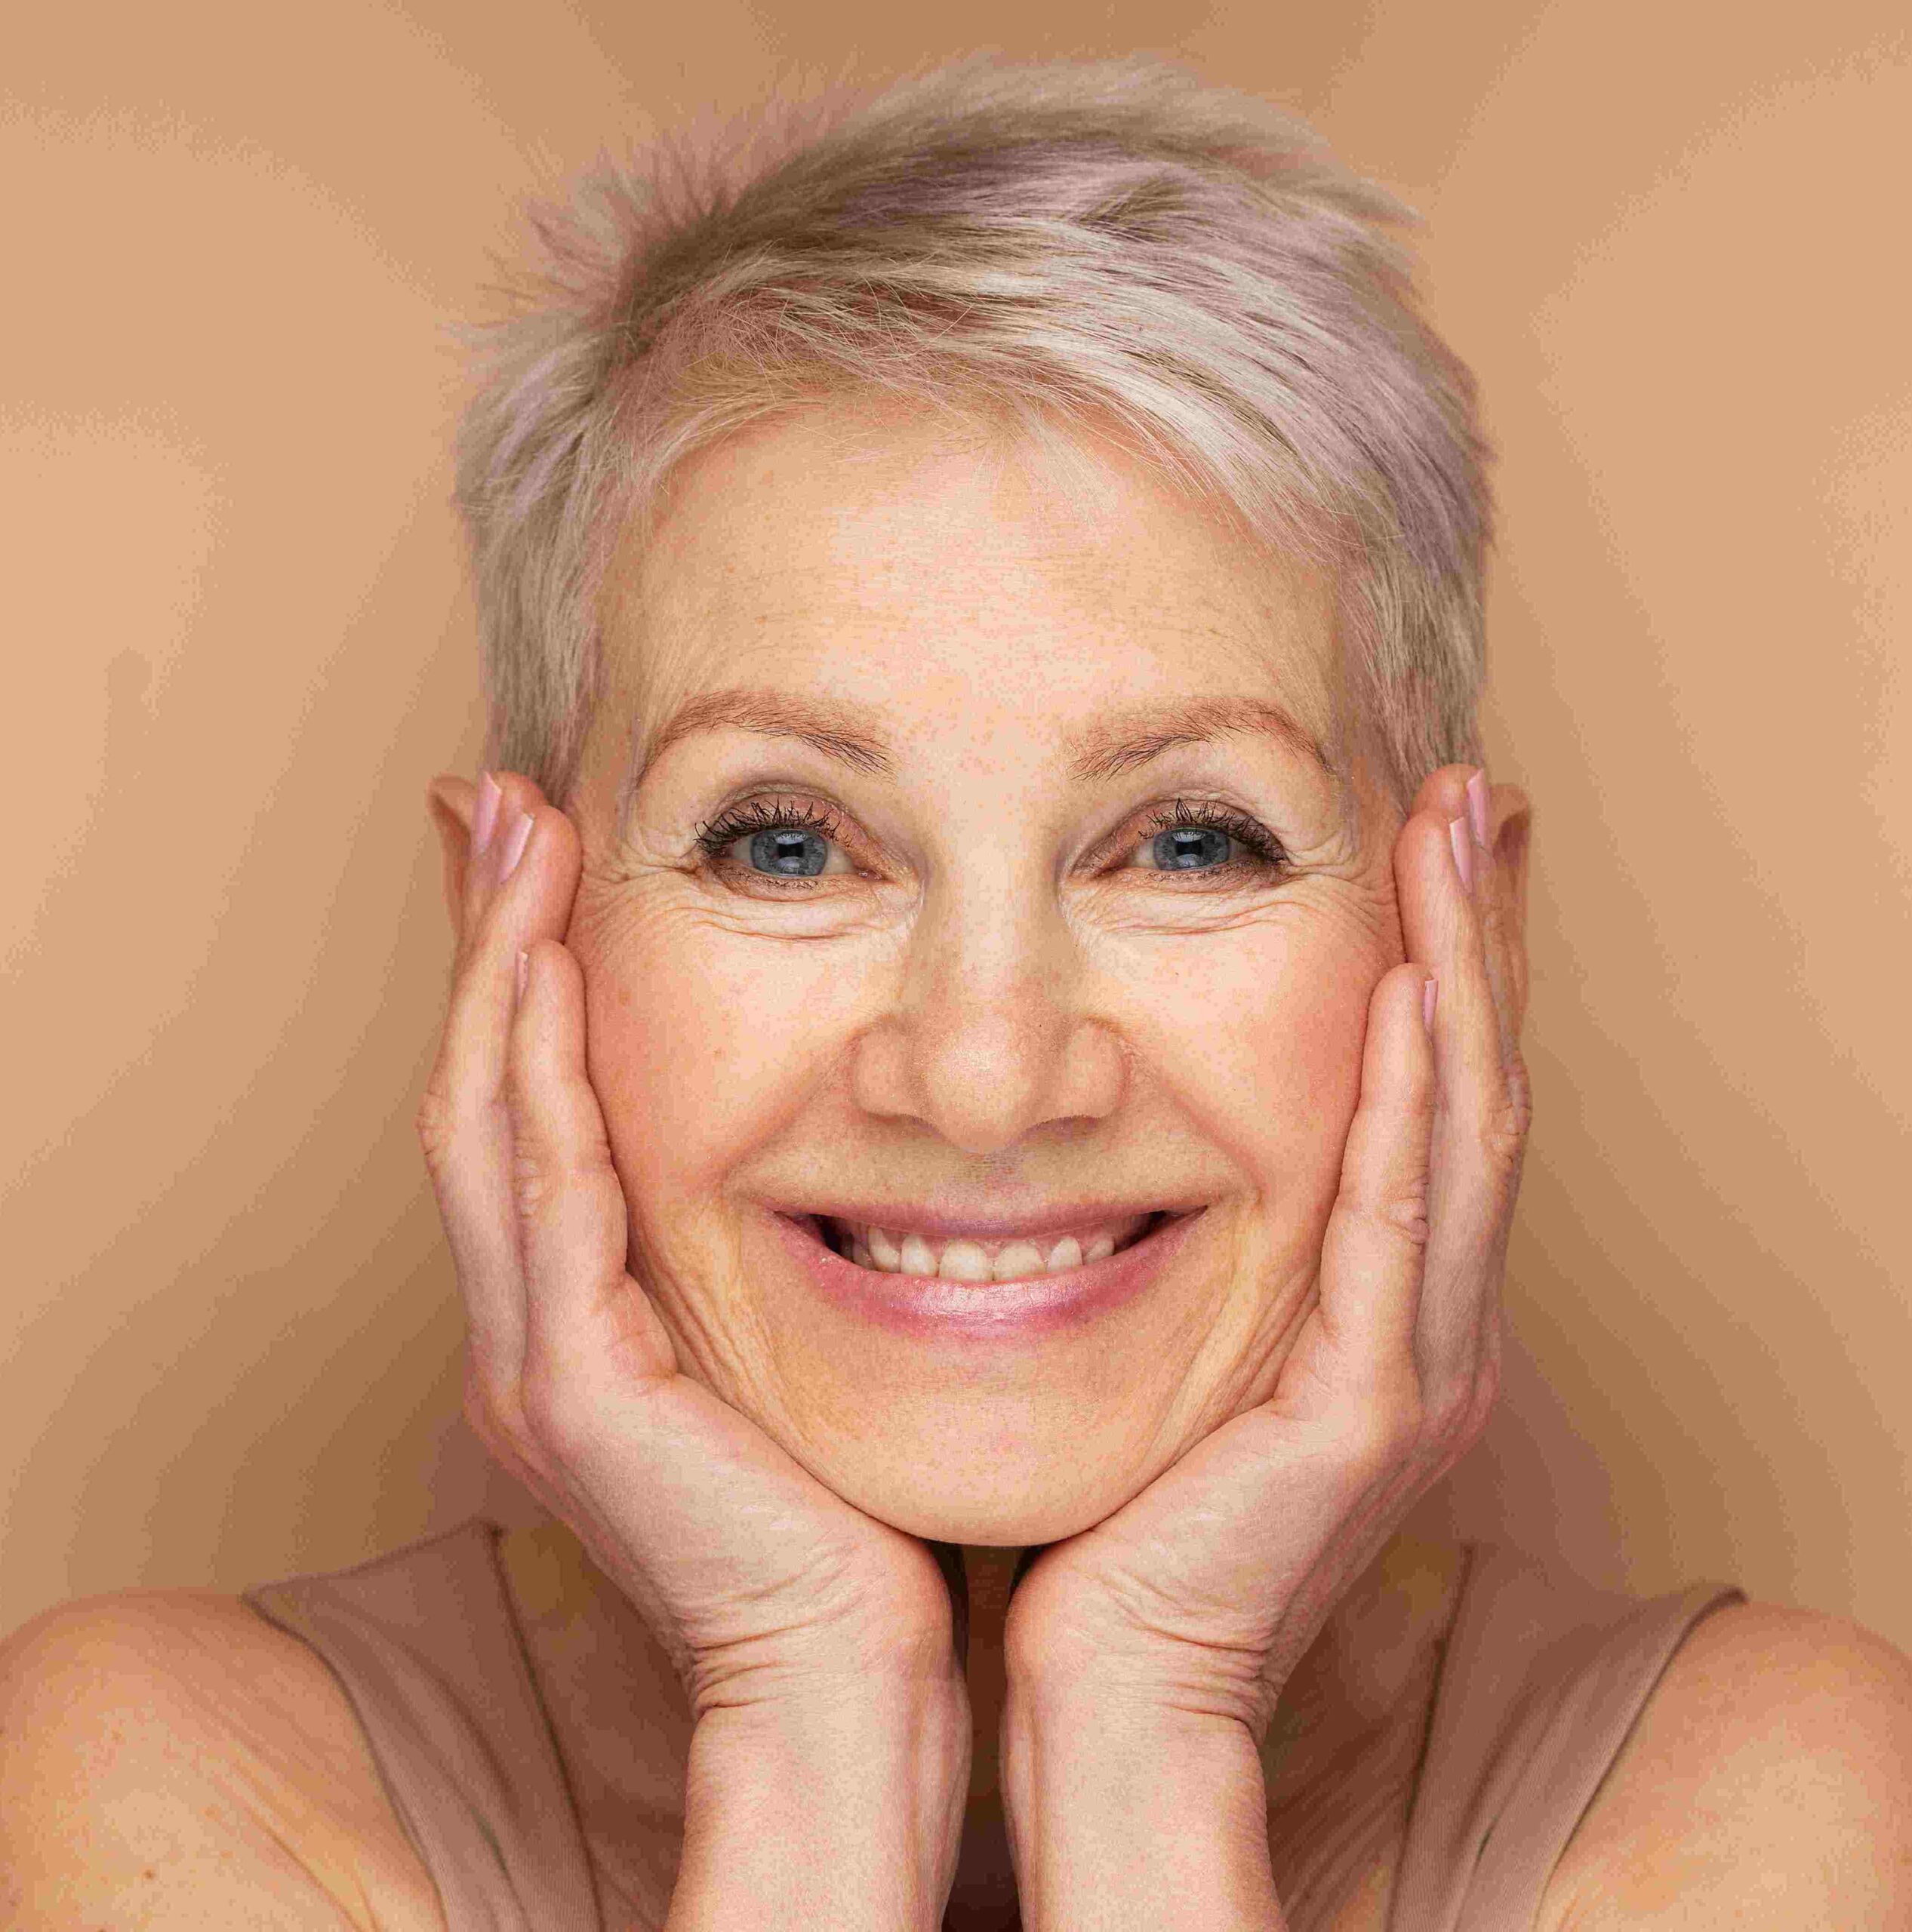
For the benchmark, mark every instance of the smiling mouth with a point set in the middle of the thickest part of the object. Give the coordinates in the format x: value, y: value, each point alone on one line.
x: 897, y: 1251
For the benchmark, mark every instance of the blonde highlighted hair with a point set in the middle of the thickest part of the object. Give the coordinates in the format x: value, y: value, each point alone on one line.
x: 1104, y: 242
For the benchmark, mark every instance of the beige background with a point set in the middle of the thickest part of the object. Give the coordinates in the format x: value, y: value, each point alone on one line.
x: 1671, y: 240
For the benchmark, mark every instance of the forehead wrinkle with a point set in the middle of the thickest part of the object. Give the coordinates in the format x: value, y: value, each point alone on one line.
x: 710, y: 607
x: 851, y: 732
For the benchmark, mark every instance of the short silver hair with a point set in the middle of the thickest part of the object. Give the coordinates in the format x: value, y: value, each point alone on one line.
x: 1085, y: 242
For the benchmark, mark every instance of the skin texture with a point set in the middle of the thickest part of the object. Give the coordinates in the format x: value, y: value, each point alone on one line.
x: 988, y: 991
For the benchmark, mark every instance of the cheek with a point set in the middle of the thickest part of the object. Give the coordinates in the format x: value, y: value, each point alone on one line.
x: 1260, y: 1039
x: 701, y: 1044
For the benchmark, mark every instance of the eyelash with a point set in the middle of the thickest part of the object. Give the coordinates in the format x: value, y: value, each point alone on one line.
x: 781, y: 815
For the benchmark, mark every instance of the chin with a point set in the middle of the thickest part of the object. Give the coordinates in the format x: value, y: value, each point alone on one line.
x: 1009, y: 1511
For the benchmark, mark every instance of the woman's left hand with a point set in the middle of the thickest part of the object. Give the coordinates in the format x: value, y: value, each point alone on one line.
x: 1193, y: 1601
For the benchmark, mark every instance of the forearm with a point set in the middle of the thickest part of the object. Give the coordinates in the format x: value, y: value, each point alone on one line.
x: 849, y: 1815
x: 1122, y: 1816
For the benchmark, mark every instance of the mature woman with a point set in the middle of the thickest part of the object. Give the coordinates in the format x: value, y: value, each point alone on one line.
x: 977, y: 1123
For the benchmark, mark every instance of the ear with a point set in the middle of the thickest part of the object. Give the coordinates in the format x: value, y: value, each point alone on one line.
x: 452, y: 803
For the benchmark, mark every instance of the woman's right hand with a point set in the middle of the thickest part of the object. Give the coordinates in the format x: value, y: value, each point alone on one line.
x: 806, y: 1633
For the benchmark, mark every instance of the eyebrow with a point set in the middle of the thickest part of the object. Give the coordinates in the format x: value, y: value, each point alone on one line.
x: 851, y: 733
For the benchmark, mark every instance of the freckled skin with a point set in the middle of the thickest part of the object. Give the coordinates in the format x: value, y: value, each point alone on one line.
x: 992, y: 981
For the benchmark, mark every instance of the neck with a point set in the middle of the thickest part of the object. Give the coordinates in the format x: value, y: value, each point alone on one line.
x: 985, y: 1889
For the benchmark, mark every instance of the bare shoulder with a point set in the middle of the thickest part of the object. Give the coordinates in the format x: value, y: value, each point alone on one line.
x: 169, y: 1758
x: 1768, y: 1782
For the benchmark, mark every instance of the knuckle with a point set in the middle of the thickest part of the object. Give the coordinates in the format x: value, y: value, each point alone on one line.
x: 1403, y: 1207
x: 1504, y: 1127
x: 436, y: 1123
x: 1519, y: 1096
x: 535, y: 1180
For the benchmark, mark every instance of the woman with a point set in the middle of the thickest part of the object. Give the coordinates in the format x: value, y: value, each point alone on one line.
x: 977, y: 1122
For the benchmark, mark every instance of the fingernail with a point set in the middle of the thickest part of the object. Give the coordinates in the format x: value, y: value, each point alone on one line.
x: 517, y: 835
x: 485, y: 820
x: 1428, y: 1003
x: 1464, y: 853
x: 524, y: 969
x: 1477, y: 806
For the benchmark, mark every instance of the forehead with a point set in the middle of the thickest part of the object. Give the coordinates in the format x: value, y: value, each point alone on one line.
x: 905, y: 559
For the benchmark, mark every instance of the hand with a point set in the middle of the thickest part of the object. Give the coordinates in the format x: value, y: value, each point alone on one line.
x: 799, y: 1626
x: 1202, y: 1592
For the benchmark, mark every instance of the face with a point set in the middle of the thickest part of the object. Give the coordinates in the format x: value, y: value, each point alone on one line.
x: 990, y: 886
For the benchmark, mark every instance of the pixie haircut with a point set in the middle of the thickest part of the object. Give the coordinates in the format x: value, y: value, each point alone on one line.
x: 1102, y: 246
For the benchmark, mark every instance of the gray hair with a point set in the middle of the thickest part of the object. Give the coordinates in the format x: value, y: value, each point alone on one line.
x: 1103, y: 243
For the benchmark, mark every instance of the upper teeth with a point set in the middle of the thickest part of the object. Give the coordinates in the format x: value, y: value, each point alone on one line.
x: 967, y: 1259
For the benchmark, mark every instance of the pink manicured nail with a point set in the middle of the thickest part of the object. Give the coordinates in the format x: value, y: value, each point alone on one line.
x: 484, y: 820
x: 1427, y: 1004
x: 515, y: 836
x: 1464, y: 852
x: 1477, y: 807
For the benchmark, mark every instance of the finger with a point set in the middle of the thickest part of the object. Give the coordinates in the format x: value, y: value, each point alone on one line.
x: 452, y: 803
x: 1374, y: 1250
x: 1475, y: 1136
x: 1460, y: 798
x: 1500, y: 880
x: 1499, y: 817
x: 483, y: 855
x: 466, y: 1134
x: 587, y: 1321
x: 505, y: 806
x: 464, y: 1121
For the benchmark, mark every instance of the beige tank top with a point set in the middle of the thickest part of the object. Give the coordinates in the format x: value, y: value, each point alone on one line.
x: 1540, y: 1681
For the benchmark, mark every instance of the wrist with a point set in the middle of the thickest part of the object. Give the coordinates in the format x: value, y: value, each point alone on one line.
x: 1124, y: 1809
x: 843, y: 1809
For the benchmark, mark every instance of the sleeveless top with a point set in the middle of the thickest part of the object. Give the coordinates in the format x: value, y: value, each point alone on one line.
x: 1540, y: 1682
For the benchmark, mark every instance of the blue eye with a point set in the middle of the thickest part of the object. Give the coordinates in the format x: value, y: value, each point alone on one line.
x: 1196, y: 837
x: 786, y: 841
x: 791, y: 839
x: 1188, y: 848
x: 789, y: 851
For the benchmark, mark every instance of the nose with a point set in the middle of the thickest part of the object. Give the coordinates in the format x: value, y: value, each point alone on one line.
x: 988, y: 1036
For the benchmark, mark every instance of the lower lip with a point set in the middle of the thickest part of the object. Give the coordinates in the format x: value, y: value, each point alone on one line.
x: 925, y: 1304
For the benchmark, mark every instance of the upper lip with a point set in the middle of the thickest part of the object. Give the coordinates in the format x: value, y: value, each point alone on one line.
x: 939, y: 1223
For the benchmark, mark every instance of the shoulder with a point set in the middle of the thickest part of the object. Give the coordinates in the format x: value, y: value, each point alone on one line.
x: 171, y: 1758
x: 1768, y: 1781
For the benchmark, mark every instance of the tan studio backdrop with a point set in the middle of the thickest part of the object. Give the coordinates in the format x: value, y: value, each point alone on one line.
x: 1671, y: 241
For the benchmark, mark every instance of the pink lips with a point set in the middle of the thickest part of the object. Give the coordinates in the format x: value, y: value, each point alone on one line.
x: 926, y: 1306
